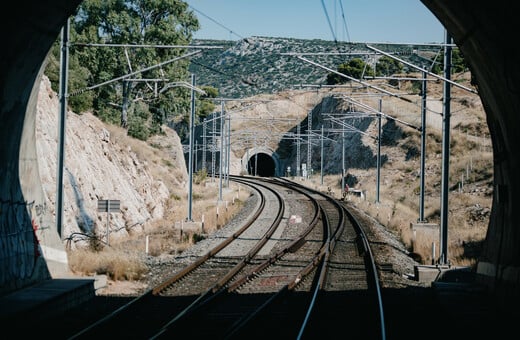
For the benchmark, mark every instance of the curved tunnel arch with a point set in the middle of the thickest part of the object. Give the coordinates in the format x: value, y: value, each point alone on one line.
x: 35, y: 251
x: 261, y: 161
x: 261, y: 164
x: 480, y: 29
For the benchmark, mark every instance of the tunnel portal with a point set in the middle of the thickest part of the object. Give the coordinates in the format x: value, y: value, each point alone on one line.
x: 478, y: 28
x: 261, y: 164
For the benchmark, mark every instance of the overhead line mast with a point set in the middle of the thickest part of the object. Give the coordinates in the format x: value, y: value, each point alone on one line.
x: 447, y: 80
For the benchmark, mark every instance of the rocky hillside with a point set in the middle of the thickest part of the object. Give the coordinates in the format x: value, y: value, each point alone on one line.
x: 102, y: 162
x: 283, y: 121
x: 262, y: 65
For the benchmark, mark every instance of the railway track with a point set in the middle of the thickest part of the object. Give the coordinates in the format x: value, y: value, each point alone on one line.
x: 299, y: 267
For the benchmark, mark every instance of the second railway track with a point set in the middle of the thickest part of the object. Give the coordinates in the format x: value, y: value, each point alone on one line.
x: 299, y: 267
x: 283, y: 291
x: 293, y: 264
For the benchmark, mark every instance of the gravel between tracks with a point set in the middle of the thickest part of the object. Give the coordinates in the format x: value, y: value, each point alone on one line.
x: 385, y: 245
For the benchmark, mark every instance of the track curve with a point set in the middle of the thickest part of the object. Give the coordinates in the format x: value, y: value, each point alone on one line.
x: 295, y: 267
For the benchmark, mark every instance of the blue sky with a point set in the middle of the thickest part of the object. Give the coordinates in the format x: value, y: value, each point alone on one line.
x: 397, y: 21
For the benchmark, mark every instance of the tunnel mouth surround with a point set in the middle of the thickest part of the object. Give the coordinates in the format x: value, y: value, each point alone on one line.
x: 261, y: 164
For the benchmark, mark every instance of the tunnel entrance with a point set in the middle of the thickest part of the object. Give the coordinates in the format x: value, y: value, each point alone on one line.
x: 261, y: 164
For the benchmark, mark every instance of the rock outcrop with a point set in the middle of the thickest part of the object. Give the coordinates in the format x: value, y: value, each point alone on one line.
x: 98, y: 165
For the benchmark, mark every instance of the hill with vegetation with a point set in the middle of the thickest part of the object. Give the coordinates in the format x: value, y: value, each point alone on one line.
x: 258, y: 65
x: 269, y: 83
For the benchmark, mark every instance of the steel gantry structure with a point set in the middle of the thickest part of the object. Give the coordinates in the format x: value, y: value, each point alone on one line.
x: 447, y: 82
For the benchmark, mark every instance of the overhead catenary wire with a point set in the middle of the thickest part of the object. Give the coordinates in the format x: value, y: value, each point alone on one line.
x: 133, y: 73
x: 216, y: 22
x: 144, y: 45
x: 422, y: 70
x: 369, y: 108
x: 344, y: 20
x: 328, y: 20
x: 368, y: 85
x: 353, y: 79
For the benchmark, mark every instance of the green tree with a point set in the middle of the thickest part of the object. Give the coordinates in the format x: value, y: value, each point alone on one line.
x: 205, y: 105
x: 458, y: 63
x: 355, y: 68
x: 134, y: 22
x: 387, y: 66
x: 76, y: 80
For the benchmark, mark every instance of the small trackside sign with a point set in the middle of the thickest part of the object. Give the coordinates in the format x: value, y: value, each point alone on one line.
x: 109, y: 206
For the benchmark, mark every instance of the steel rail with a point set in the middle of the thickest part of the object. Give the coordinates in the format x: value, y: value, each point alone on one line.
x: 182, y: 273
x: 188, y: 269
x: 217, y: 289
x: 292, y: 247
x: 368, y: 254
x: 319, y: 260
x: 325, y: 251
x: 373, y: 270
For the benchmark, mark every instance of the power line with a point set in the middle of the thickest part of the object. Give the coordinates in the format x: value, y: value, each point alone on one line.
x: 216, y: 22
x: 134, y: 73
x: 344, y: 20
x: 423, y: 70
x: 328, y: 20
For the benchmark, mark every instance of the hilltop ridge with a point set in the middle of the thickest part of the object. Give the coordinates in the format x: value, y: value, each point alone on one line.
x: 257, y: 65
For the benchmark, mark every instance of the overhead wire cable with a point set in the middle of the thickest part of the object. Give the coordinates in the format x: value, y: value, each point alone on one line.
x: 216, y: 22
x: 344, y: 20
x: 328, y: 20
x: 231, y: 76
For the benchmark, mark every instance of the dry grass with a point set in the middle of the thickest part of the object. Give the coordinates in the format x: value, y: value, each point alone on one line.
x: 124, y: 259
x: 115, y: 262
x: 398, y: 205
x: 470, y: 180
x: 471, y: 163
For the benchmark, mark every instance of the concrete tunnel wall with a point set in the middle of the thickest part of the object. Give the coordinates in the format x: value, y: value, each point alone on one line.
x: 30, y: 247
x: 481, y: 29
x: 249, y: 155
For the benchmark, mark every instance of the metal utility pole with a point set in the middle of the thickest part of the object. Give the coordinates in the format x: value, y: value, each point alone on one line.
x: 196, y: 155
x: 221, y: 150
x: 190, y: 157
x: 321, y: 155
x: 204, y: 144
x: 64, y: 66
x: 423, y: 148
x: 127, y: 86
x: 248, y: 164
x: 213, y: 147
x: 343, y: 157
x: 255, y: 170
x: 379, y: 137
x: 309, y: 144
x: 256, y: 160
x: 228, y: 150
x: 443, y: 258
x: 298, y: 151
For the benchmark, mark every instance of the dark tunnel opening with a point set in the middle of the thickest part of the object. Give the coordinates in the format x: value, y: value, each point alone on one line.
x: 261, y: 164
